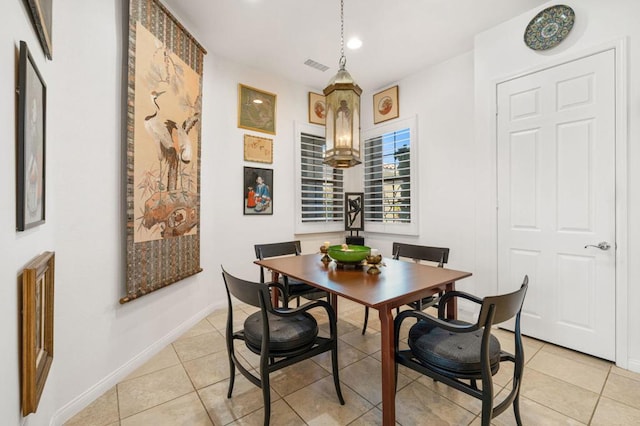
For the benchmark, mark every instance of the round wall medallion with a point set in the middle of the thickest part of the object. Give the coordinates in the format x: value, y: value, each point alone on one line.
x: 549, y: 27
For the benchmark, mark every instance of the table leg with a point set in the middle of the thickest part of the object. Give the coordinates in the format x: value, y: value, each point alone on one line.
x: 388, y: 366
x: 452, y: 305
x: 275, y: 292
x: 334, y: 302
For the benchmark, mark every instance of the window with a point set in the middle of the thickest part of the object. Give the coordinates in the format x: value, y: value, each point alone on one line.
x: 320, y: 204
x: 389, y: 178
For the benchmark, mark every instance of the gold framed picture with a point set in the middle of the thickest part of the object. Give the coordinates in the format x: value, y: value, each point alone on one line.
x: 385, y: 105
x: 256, y: 109
x: 37, y: 328
x: 317, y: 108
x: 258, y: 149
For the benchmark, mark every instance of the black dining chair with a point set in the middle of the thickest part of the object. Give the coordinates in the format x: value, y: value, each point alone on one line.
x: 459, y: 354
x: 417, y: 253
x: 280, y: 336
x: 293, y: 289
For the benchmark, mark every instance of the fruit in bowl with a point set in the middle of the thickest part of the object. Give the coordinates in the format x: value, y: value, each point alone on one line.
x: 348, y: 253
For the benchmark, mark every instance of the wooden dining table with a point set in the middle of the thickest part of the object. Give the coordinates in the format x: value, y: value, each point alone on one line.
x: 399, y: 282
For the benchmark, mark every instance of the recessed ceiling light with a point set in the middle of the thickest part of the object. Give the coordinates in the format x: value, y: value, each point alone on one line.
x: 354, y: 43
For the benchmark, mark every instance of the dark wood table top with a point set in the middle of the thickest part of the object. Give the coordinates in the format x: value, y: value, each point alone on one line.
x: 399, y: 282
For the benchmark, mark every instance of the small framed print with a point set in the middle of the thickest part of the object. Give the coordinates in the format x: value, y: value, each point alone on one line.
x: 37, y: 328
x: 256, y: 109
x: 258, y: 149
x: 385, y: 105
x: 353, y: 204
x: 317, y: 109
x: 258, y: 191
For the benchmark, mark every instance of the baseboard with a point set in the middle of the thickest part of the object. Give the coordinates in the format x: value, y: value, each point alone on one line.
x: 94, y: 392
x: 634, y: 365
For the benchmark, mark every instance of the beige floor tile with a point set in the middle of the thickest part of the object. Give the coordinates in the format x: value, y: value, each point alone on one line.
x: 201, y: 327
x: 531, y: 413
x: 372, y: 417
x: 185, y: 410
x: 152, y: 389
x: 318, y: 404
x: 613, y: 413
x: 365, y: 377
x: 347, y: 355
x: 578, y: 373
x: 103, y: 411
x: 568, y: 399
x: 531, y: 346
x: 167, y: 357
x: 296, y: 376
x: 246, y: 398
x: 577, y: 357
x: 626, y: 373
x: 189, y: 348
x: 281, y: 415
x: 208, y: 369
x: 418, y: 405
x: 344, y: 327
x: 218, y: 320
x: 369, y: 343
x: 623, y: 389
x: 465, y: 401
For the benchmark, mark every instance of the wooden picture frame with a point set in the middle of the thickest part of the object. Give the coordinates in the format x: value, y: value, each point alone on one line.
x: 37, y: 328
x: 317, y: 109
x: 41, y: 12
x: 30, y: 168
x: 256, y: 109
x: 161, y: 175
x: 257, y: 149
x: 385, y: 105
x: 258, y: 191
x: 353, y: 208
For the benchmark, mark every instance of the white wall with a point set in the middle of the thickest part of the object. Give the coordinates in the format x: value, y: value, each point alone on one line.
x: 501, y: 53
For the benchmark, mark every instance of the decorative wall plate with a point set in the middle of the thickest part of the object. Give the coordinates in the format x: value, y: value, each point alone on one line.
x: 549, y: 27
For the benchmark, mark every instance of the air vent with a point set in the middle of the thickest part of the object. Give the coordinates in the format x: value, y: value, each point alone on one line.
x: 316, y: 65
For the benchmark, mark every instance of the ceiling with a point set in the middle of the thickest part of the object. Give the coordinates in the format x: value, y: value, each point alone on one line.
x: 400, y: 37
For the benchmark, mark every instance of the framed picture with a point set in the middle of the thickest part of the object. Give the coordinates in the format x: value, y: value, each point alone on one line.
x: 353, y: 204
x: 37, y: 328
x: 317, y: 108
x: 256, y: 110
x: 258, y: 149
x: 258, y: 191
x: 41, y: 11
x: 32, y: 107
x: 385, y: 105
x: 163, y: 115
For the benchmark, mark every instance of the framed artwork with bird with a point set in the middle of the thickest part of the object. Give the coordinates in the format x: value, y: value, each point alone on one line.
x: 164, y: 113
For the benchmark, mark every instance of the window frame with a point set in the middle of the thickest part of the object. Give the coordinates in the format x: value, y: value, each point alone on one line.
x: 412, y: 227
x: 306, y: 227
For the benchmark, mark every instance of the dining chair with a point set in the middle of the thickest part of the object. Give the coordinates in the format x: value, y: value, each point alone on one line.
x: 458, y: 353
x: 293, y: 289
x: 417, y: 253
x: 280, y: 336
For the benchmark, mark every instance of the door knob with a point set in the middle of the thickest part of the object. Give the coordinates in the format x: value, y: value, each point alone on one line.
x: 603, y: 245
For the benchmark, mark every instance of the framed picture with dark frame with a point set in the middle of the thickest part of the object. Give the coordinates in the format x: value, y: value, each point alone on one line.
x: 256, y: 109
x: 32, y: 107
x: 37, y: 328
x: 385, y: 105
x: 353, y: 205
x: 258, y: 191
x: 41, y: 11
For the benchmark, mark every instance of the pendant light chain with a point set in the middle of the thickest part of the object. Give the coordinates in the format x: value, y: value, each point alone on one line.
x: 343, y: 60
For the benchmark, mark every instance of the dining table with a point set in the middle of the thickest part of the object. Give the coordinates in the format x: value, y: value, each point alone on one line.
x: 398, y: 282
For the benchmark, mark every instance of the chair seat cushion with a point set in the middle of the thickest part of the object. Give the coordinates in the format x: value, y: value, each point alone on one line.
x: 449, y: 351
x: 286, y: 333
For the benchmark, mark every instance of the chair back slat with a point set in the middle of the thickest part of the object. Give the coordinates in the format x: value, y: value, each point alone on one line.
x: 417, y: 252
x: 506, y: 306
x: 246, y: 291
x: 264, y: 251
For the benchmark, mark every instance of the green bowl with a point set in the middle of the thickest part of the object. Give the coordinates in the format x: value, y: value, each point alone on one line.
x: 354, y: 254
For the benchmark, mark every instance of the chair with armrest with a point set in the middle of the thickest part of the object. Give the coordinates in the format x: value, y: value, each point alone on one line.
x: 294, y: 289
x: 281, y: 337
x: 458, y: 354
x: 417, y: 253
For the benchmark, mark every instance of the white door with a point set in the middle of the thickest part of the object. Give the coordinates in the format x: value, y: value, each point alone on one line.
x: 556, y: 195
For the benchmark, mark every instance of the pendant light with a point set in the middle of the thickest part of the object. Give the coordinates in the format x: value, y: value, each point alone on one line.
x: 342, y: 96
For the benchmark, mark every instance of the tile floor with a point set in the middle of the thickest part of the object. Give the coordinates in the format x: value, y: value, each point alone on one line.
x: 186, y: 384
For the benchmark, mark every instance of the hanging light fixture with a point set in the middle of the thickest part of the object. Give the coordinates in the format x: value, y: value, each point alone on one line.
x: 342, y: 96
